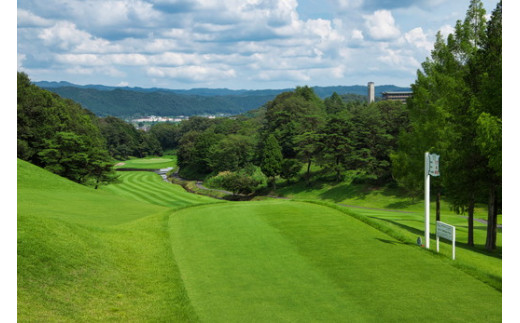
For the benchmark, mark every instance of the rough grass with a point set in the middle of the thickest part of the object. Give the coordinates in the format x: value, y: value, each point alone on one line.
x: 87, y: 255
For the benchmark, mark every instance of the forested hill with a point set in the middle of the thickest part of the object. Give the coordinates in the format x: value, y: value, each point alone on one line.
x: 132, y: 102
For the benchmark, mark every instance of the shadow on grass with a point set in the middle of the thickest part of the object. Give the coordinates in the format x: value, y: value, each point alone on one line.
x: 479, y: 248
x: 345, y: 191
x: 392, y: 242
x: 401, y: 204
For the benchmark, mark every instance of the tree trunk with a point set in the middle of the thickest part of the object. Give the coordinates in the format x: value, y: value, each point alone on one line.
x: 438, y: 207
x: 471, y: 209
x: 491, y: 225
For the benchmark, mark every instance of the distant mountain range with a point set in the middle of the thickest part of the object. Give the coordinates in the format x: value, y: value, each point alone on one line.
x: 126, y: 102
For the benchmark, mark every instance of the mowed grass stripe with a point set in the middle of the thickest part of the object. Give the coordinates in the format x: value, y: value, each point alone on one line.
x: 155, y: 192
x: 238, y: 268
x: 145, y: 196
x: 151, y: 182
x: 294, y: 261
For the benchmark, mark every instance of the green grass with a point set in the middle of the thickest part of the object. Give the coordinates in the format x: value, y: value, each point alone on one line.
x: 149, y: 162
x: 90, y: 255
x: 150, y: 188
x: 146, y: 250
x: 292, y: 261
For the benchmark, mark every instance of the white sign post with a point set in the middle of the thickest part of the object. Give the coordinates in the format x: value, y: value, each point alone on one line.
x: 431, y: 167
x: 446, y: 231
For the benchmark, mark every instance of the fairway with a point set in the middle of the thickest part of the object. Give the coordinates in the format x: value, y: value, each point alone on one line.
x: 299, y: 262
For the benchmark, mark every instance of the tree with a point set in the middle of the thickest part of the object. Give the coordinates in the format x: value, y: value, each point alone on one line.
x: 337, y: 143
x: 291, y: 114
x: 456, y: 112
x: 271, y: 159
x: 334, y: 104
x: 308, y: 146
x: 167, y: 134
x: 58, y: 134
x: 231, y: 153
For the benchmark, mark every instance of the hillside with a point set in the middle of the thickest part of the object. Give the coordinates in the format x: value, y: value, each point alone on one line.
x: 86, y: 255
x: 131, y: 102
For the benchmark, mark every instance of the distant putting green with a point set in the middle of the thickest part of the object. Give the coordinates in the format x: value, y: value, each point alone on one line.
x: 297, y: 262
x: 148, y: 163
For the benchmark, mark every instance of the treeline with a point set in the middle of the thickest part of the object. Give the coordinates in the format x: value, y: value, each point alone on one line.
x: 291, y: 132
x: 133, y: 102
x: 64, y: 138
x: 456, y: 112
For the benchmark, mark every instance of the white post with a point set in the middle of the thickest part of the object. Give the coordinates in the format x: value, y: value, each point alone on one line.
x: 426, y: 201
x: 453, y: 245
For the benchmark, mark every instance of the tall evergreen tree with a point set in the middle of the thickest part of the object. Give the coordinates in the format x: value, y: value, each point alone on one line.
x: 456, y: 111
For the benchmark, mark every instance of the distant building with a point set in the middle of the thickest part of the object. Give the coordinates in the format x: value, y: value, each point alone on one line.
x: 371, y: 92
x: 397, y: 96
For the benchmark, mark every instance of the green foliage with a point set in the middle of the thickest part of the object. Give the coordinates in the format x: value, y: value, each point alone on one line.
x: 123, y: 140
x: 59, y: 135
x: 231, y: 153
x: 290, y: 168
x: 334, y: 104
x: 271, y: 158
x: 244, y: 181
x: 167, y: 134
x: 456, y: 112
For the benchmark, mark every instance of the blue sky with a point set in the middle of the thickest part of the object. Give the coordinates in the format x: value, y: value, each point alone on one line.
x: 237, y: 44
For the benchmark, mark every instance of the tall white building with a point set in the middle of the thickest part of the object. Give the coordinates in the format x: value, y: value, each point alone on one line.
x: 371, y: 92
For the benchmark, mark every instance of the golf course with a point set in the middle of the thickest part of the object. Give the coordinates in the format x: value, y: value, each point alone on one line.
x: 142, y: 249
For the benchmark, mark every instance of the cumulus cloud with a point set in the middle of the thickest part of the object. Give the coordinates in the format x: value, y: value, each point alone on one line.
x: 204, y: 41
x: 381, y: 25
x: 417, y: 38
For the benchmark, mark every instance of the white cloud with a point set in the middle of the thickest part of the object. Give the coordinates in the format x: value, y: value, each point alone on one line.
x: 446, y: 30
x: 357, y: 34
x: 348, y: 4
x: 417, y: 38
x: 67, y: 37
x: 19, y: 60
x: 381, y: 25
x: 192, y: 73
x: 26, y: 18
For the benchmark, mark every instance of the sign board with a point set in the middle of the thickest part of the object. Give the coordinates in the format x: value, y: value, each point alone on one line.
x: 446, y: 231
x: 433, y: 163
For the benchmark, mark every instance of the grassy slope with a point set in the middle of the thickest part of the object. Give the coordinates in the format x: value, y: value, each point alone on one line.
x: 294, y: 261
x: 86, y: 255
